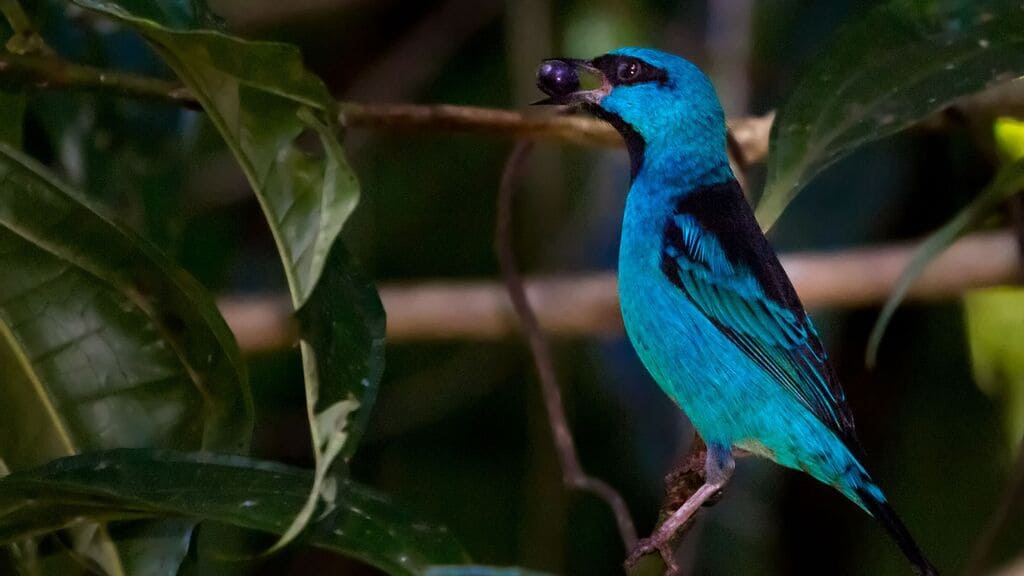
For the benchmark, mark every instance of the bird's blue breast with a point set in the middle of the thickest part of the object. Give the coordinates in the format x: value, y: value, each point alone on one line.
x: 688, y: 357
x: 695, y: 297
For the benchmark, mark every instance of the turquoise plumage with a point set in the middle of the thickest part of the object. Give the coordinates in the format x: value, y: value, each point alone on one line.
x: 705, y: 301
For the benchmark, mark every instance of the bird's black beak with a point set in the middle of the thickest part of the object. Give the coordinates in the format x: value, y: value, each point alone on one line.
x: 560, y: 79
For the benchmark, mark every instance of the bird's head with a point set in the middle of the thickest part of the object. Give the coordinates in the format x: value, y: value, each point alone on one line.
x: 665, y: 107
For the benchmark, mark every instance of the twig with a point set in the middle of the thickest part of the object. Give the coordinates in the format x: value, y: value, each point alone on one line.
x: 488, y: 121
x: 686, y: 477
x: 51, y: 73
x: 680, y: 484
x: 751, y: 134
x: 572, y: 471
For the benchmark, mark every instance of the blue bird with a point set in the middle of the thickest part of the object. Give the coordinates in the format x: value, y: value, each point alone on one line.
x: 706, y: 303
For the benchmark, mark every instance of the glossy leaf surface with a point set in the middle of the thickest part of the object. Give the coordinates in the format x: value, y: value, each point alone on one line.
x: 888, y: 69
x: 104, y: 342
x: 262, y: 101
x: 259, y: 495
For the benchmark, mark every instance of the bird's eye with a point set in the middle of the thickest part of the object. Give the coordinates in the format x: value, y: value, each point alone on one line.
x: 627, y: 71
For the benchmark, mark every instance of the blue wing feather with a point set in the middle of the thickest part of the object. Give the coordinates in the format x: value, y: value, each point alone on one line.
x: 715, y: 253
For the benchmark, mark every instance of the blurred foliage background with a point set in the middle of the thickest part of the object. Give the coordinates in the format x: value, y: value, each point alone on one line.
x: 459, y: 433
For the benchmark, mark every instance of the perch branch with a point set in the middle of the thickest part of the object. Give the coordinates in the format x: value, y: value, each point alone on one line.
x: 572, y: 471
x: 52, y: 73
x: 750, y: 134
x: 587, y: 304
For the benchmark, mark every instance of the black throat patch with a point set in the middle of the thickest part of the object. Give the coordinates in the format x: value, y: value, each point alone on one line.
x: 635, y: 144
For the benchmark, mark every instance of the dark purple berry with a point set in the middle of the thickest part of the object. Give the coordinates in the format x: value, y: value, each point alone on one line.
x: 557, y: 78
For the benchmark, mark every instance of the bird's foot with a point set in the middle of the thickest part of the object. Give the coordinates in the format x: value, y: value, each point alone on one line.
x: 661, y: 543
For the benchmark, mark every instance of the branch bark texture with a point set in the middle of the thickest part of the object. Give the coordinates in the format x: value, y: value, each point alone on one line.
x: 587, y: 304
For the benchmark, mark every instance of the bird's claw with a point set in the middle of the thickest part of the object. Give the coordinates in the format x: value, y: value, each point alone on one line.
x: 655, y: 543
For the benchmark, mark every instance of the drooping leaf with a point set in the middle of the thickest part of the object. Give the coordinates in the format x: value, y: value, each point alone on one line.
x: 103, y: 342
x: 885, y: 71
x: 343, y: 322
x: 342, y: 332
x: 1007, y: 182
x: 262, y: 99
x: 995, y: 332
x: 258, y: 495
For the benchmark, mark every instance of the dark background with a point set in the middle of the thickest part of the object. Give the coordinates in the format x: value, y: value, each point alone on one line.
x: 459, y: 433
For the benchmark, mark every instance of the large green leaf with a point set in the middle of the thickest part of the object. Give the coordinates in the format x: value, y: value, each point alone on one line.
x: 103, y: 342
x: 885, y: 71
x: 342, y: 337
x: 262, y: 99
x: 995, y: 332
x: 259, y: 495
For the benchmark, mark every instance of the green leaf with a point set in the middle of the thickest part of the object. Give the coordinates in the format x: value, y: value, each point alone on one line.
x: 262, y: 100
x: 1007, y: 182
x: 343, y: 322
x: 887, y: 70
x: 119, y: 346
x: 1009, y: 135
x: 259, y: 495
x: 103, y: 342
x: 342, y: 339
x: 995, y: 332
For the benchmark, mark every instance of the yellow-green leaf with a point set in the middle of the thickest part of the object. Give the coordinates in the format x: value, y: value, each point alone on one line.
x: 995, y: 332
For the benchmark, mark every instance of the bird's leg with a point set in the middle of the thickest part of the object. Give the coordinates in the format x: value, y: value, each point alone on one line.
x: 718, y: 469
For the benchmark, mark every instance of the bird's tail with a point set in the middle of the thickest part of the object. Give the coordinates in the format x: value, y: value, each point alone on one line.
x: 872, y: 499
